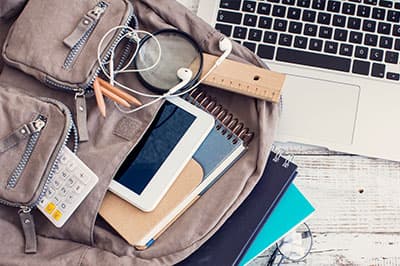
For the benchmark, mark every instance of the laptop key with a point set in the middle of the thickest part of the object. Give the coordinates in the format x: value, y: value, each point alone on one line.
x: 270, y: 37
x: 279, y: 11
x: 288, y: 2
x: 265, y: 23
x: 371, y: 2
x: 334, y: 6
x: 340, y: 35
x: 294, y: 13
x: 369, y: 25
x: 378, y: 70
x: 354, y: 23
x: 370, y: 40
x: 224, y: 29
x: 376, y: 55
x: 300, y: 42
x: 339, y: 20
x: 229, y: 17
x: 280, y: 25
x: 325, y: 32
x: 349, y: 9
x: 250, y: 45
x: 310, y: 30
x: 285, y: 39
x: 392, y: 57
x: 229, y: 4
x: 250, y: 20
x: 393, y: 16
x: 255, y: 35
x: 324, y: 18
x: 240, y: 32
x: 315, y: 45
x: 331, y: 47
x: 263, y: 8
x: 361, y: 52
x: 295, y: 27
x: 397, y: 45
x: 363, y: 11
x: 346, y: 49
x: 396, y: 30
x: 397, y: 6
x: 313, y: 59
x: 319, y: 4
x: 378, y: 13
x: 303, y: 3
x: 361, y: 67
x: 393, y: 76
x: 386, y: 42
x: 266, y: 51
x: 249, y: 6
x: 384, y: 28
x: 355, y: 37
x: 309, y: 15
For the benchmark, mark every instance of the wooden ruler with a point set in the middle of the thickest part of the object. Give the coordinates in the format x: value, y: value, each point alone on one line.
x: 244, y: 79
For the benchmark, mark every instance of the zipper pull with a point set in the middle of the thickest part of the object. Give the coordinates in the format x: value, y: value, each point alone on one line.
x: 81, y: 116
x: 21, y: 133
x: 28, y: 227
x: 88, y: 21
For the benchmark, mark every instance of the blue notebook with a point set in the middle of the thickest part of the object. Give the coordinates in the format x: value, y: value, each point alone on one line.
x: 233, y: 239
x: 292, y: 210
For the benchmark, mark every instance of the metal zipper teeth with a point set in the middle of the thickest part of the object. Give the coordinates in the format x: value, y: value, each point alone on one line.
x: 32, y: 141
x: 112, y: 47
x: 77, y: 48
x: 71, y: 127
x: 87, y: 87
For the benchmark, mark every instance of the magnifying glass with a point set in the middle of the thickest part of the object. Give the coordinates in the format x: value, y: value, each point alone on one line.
x: 178, y: 50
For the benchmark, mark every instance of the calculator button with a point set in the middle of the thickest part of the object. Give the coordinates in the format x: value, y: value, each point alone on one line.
x: 50, y: 207
x: 71, y: 181
x: 43, y: 202
x: 63, y: 191
x: 64, y: 175
x: 57, y: 215
x: 63, y: 206
x: 71, y: 198
x: 57, y: 199
x: 84, y: 178
x: 78, y: 188
x: 64, y: 159
x: 57, y: 182
x: 50, y: 192
x: 71, y: 166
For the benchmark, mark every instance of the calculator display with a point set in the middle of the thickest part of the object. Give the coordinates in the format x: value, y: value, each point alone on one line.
x: 142, y: 164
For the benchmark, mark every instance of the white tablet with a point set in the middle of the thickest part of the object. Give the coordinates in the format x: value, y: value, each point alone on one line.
x: 174, y: 136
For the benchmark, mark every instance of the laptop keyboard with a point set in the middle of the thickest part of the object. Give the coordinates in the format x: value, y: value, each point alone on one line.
x: 357, y: 37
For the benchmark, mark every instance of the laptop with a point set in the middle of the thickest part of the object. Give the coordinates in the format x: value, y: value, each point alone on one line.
x: 342, y: 60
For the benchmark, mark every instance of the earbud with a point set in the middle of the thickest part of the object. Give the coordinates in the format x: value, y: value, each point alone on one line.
x: 184, y: 74
x: 225, y: 46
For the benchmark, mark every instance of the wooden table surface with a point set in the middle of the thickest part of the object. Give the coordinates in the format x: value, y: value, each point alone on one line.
x: 357, y: 201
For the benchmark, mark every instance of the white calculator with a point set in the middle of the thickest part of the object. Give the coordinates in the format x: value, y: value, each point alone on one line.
x: 70, y: 185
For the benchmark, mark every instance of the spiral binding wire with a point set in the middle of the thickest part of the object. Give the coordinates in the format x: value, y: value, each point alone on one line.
x: 278, y: 156
x: 227, y: 124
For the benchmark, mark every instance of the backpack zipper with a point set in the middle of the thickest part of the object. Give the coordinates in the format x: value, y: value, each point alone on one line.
x: 26, y: 218
x: 37, y: 125
x: 89, y: 23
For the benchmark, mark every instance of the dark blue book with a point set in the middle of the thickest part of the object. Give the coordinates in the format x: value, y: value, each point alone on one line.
x: 233, y: 239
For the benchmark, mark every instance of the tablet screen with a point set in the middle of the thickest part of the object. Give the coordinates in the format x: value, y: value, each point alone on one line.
x: 169, y: 126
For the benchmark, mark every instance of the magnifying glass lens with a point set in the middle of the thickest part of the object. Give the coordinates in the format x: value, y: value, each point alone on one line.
x: 177, y: 51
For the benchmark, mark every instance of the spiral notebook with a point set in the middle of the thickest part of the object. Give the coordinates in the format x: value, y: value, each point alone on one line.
x: 234, y: 238
x: 229, y: 135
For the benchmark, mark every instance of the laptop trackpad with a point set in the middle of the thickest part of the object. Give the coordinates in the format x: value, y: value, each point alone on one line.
x: 318, y: 111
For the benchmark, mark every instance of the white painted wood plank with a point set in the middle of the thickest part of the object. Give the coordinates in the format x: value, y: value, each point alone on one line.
x: 349, y: 249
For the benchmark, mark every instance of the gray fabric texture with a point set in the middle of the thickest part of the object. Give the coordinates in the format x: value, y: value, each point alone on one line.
x: 86, y: 239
